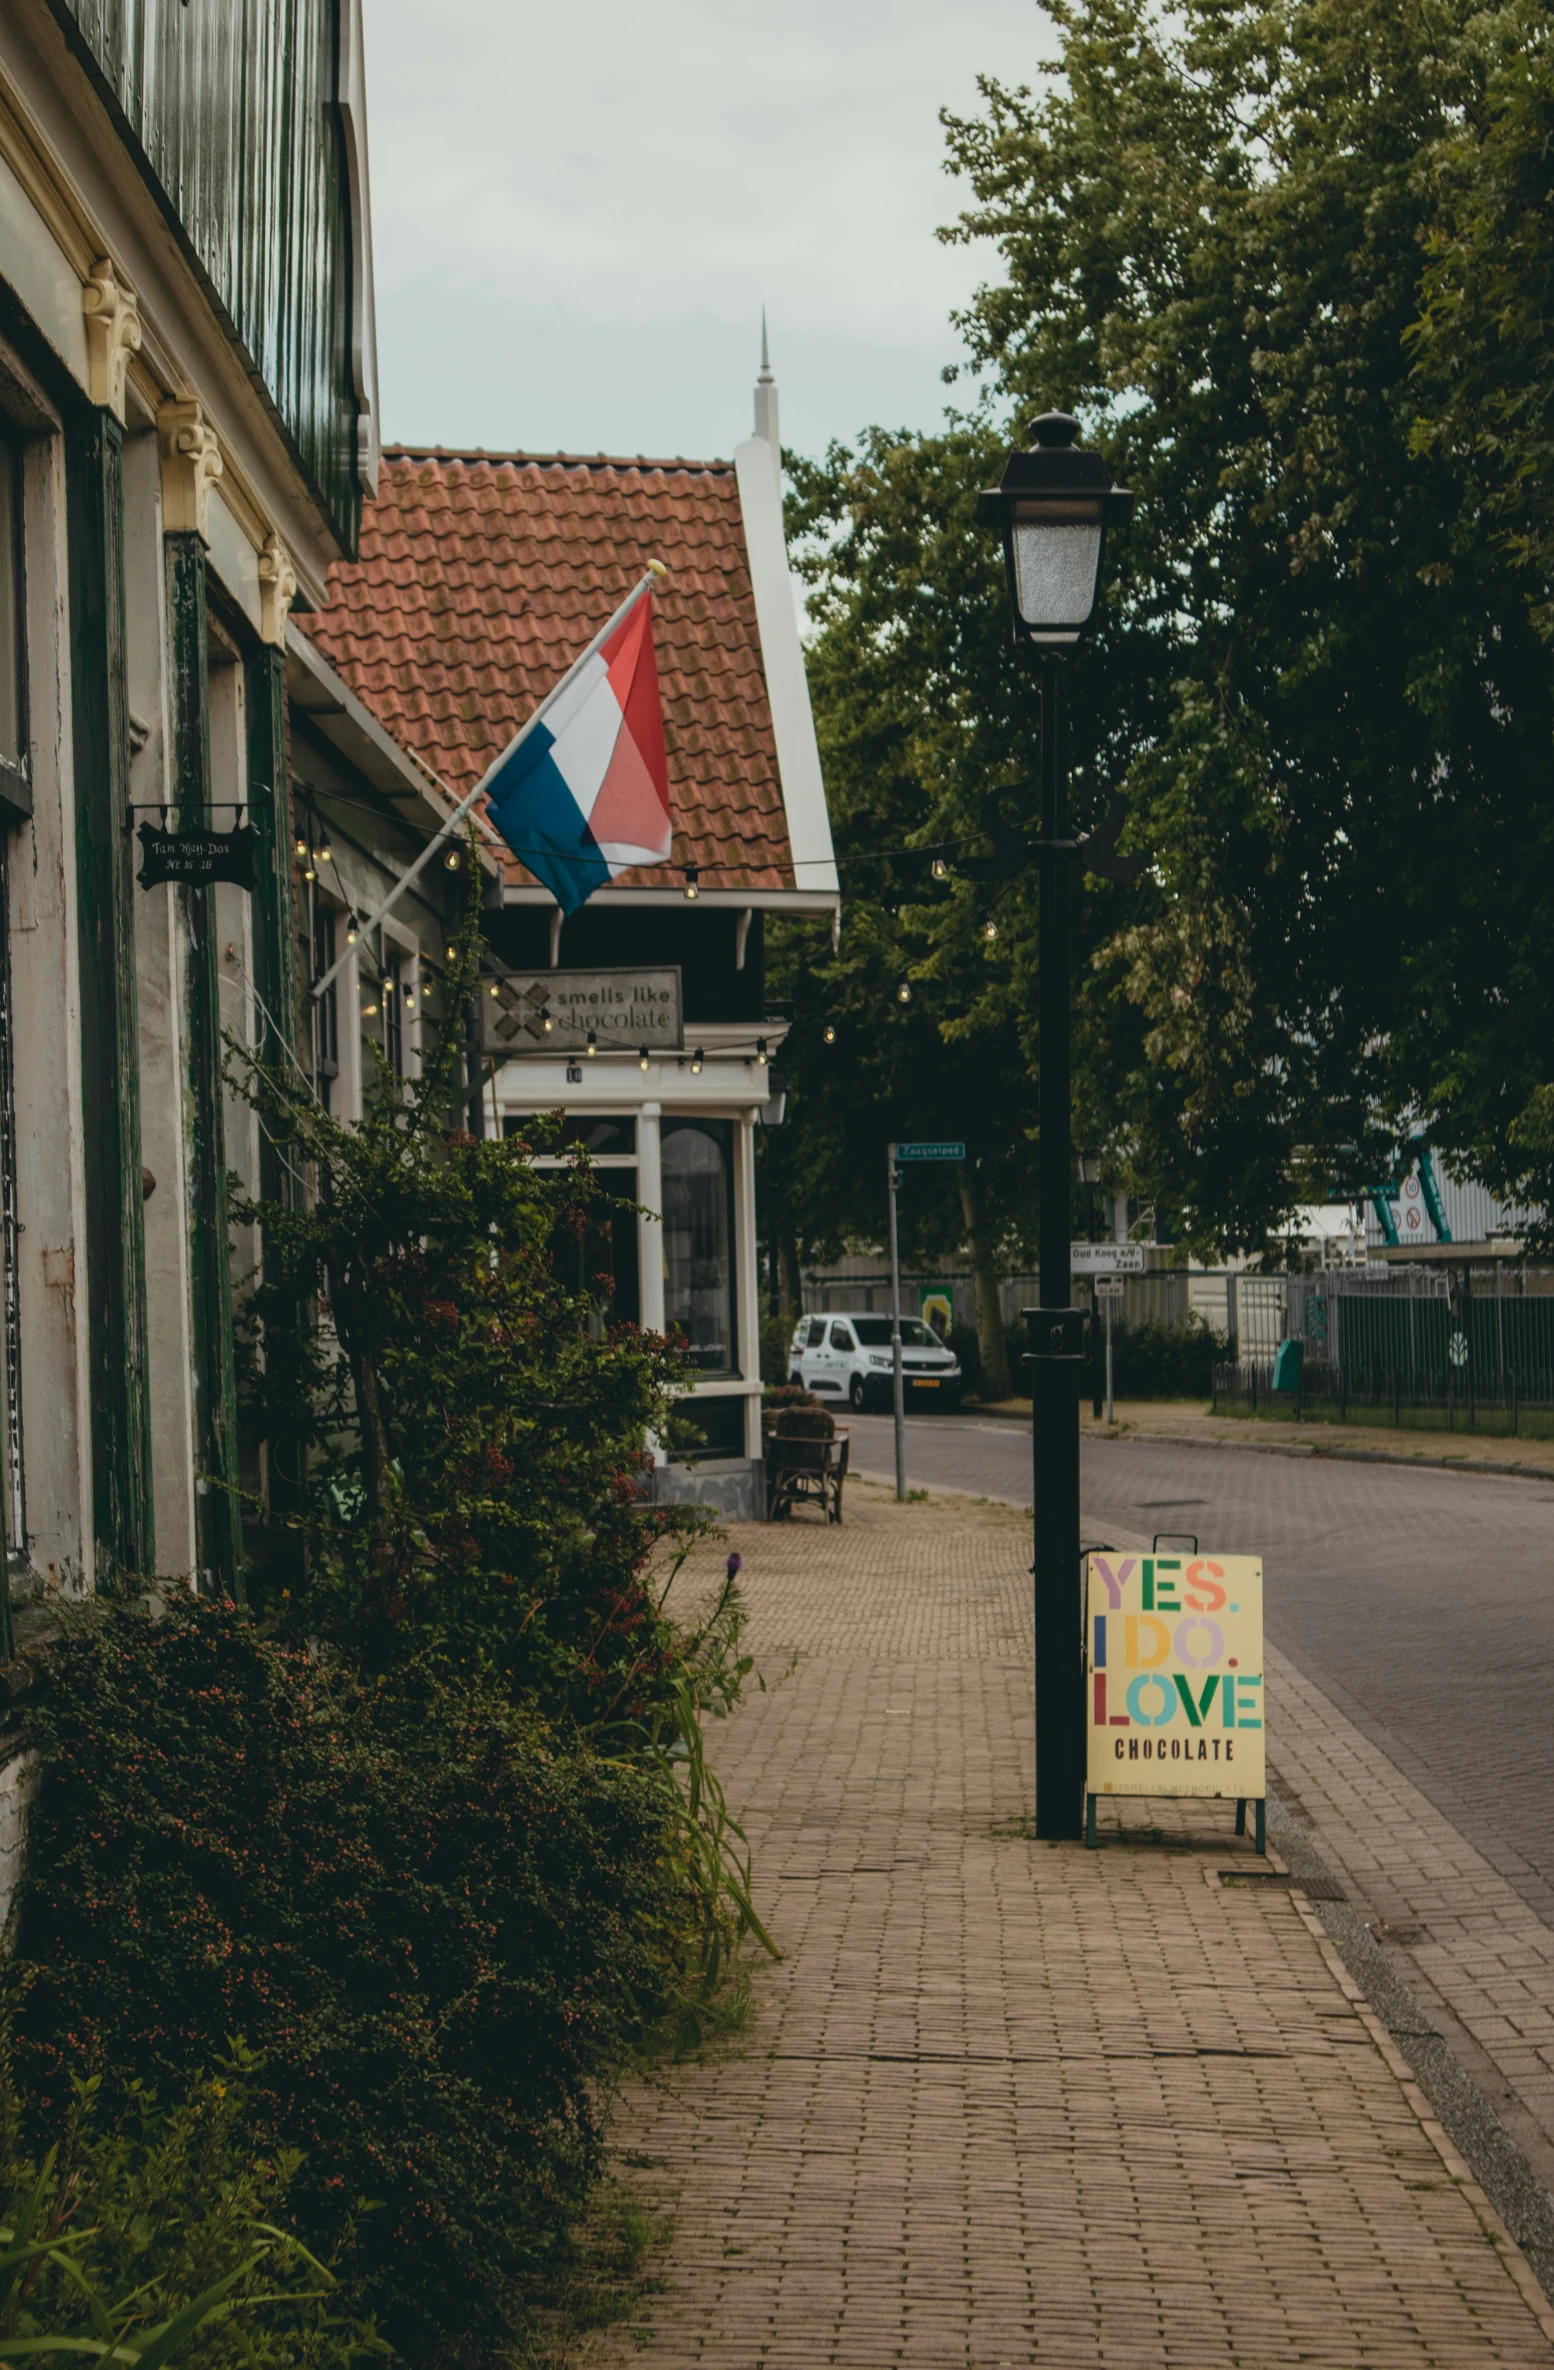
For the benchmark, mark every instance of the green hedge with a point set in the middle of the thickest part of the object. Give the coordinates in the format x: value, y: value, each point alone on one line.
x: 1148, y: 1361
x: 437, y: 1932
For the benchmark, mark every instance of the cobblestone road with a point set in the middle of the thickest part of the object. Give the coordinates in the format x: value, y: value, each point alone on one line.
x: 1420, y: 1601
x: 1006, y: 2104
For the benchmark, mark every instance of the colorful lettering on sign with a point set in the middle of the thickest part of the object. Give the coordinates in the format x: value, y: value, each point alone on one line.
x: 1176, y: 1656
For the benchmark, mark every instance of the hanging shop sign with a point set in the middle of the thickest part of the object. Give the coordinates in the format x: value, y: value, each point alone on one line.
x: 556, y: 1012
x: 195, y: 858
x: 1175, y: 1692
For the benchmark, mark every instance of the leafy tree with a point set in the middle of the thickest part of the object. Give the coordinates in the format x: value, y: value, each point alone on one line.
x: 1324, y: 694
x: 930, y: 742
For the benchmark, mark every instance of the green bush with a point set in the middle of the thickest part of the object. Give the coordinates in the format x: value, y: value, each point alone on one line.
x: 463, y: 1440
x: 438, y: 1933
x: 1149, y: 1361
x: 151, y: 2229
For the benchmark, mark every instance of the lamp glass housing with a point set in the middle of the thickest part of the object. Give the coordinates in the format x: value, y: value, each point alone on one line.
x: 1055, y: 566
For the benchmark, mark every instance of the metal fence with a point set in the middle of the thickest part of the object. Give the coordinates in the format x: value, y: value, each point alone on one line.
x: 1512, y: 1401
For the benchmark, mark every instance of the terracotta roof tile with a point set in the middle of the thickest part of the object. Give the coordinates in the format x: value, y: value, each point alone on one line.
x: 482, y: 576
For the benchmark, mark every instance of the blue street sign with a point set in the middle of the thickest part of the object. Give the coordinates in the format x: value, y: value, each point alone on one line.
x: 930, y: 1151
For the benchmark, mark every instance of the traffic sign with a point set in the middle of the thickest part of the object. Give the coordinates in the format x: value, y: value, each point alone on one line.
x: 930, y: 1151
x: 1108, y: 1287
x: 1102, y: 1259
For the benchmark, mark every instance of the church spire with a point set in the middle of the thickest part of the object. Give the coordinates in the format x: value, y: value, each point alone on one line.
x: 766, y: 402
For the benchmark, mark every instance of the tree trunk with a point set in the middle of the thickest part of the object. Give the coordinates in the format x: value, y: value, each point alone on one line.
x: 991, y: 1344
x: 788, y: 1256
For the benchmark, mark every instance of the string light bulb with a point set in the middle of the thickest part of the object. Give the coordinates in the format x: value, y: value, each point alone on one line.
x: 326, y: 854
x: 300, y: 844
x: 308, y: 873
x: 593, y: 1043
x: 697, y: 1058
x: 410, y: 995
x: 940, y: 869
x: 452, y: 859
x: 989, y: 928
x: 642, y: 1058
x: 760, y: 1051
x: 494, y: 989
x: 546, y: 1023
x: 692, y: 882
x: 903, y: 991
x: 828, y: 1033
x: 350, y: 930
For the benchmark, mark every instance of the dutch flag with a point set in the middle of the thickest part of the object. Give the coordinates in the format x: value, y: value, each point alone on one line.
x: 582, y: 793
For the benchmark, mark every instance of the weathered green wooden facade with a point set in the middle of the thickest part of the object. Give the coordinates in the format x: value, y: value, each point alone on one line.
x: 187, y: 431
x: 231, y: 114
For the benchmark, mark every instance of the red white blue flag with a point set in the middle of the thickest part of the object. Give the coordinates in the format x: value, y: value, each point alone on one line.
x: 582, y: 793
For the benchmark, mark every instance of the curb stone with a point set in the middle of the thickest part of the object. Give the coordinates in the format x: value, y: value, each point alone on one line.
x: 1474, y: 2145
x: 1297, y: 1448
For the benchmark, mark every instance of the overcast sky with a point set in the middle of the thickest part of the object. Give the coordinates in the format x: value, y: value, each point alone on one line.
x: 580, y: 211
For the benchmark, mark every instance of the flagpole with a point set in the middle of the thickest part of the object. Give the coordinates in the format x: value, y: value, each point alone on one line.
x: 656, y: 570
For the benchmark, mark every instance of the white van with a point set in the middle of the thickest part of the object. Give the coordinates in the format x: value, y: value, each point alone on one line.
x: 849, y: 1357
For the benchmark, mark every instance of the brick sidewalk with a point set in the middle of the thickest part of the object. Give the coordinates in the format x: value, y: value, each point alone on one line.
x: 1009, y: 2104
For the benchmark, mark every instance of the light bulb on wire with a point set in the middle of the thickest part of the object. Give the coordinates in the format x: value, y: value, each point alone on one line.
x: 350, y: 930
x: 453, y: 859
x: 593, y: 1044
x: 760, y: 1051
x: 697, y: 1058
x: 939, y: 869
x: 903, y: 991
x: 828, y: 1033
x: 642, y: 1058
x: 989, y: 928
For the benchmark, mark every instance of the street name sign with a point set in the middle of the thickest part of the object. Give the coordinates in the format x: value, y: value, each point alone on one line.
x: 1175, y: 1650
x: 1106, y: 1259
x: 625, y: 1010
x: 930, y: 1151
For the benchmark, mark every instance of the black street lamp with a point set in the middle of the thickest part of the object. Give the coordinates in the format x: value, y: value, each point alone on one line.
x: 1053, y: 509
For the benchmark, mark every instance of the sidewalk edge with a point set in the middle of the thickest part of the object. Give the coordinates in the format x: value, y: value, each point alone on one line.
x: 1480, y: 2155
x: 1456, y: 2165
x: 1296, y: 1448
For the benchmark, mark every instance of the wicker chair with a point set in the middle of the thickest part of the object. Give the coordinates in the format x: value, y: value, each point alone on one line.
x: 806, y: 1462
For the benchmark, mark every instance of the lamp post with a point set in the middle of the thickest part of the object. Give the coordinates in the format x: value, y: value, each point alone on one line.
x: 1089, y: 1178
x: 1053, y: 508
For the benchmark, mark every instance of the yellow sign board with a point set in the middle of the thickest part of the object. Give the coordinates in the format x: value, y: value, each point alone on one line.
x: 937, y: 1303
x: 1175, y: 1676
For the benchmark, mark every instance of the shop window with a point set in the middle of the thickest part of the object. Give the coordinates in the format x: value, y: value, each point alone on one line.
x: 698, y: 1175
x: 601, y: 1266
x: 326, y: 1010
x: 394, y: 1014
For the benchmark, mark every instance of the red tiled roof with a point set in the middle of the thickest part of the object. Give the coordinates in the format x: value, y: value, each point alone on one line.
x: 483, y: 575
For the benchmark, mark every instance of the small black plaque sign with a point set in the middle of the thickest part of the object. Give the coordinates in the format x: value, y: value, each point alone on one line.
x: 196, y: 857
